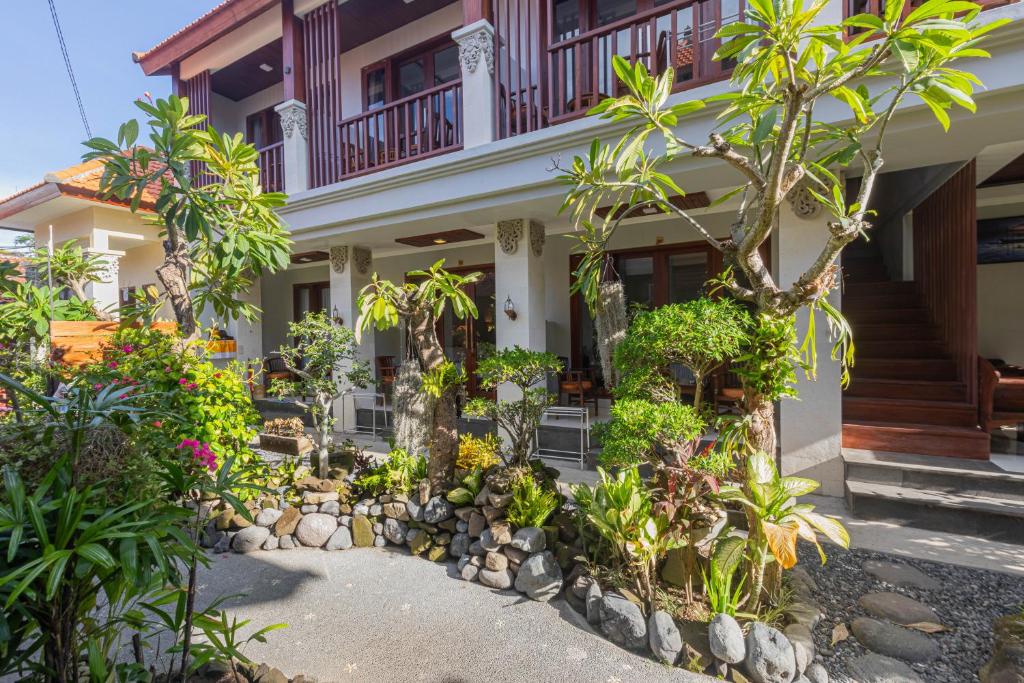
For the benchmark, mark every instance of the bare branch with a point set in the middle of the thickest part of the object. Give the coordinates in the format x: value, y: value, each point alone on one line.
x: 721, y: 149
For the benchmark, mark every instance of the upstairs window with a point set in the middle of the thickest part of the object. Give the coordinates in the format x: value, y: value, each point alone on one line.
x: 263, y: 128
x: 432, y: 64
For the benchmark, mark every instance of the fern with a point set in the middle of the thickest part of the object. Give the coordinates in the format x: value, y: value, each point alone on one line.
x: 531, y: 505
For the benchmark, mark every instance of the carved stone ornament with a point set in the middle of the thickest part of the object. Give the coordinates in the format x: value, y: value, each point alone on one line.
x: 475, y: 46
x: 339, y: 257
x: 803, y: 203
x: 509, y: 234
x: 109, y: 269
x: 363, y: 258
x: 537, y: 238
x: 293, y: 117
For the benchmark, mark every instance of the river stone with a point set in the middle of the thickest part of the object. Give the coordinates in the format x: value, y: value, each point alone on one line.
x: 499, y: 500
x: 378, y: 528
x: 459, y: 545
x: 500, y: 580
x: 309, y: 509
x: 725, y: 637
x: 770, y: 657
x: 239, y: 521
x: 897, y: 608
x: 529, y: 539
x: 665, y: 641
x: 463, y: 513
x: 488, y: 542
x: 396, y: 511
x: 268, y: 517
x: 249, y: 539
x: 395, y: 530
x: 501, y: 532
x: 894, y: 641
x: 874, y: 668
x: 515, y: 554
x: 345, y: 520
x: 331, y: 507
x: 414, y: 510
x: 362, y: 531
x: 311, y: 498
x: 623, y: 623
x: 286, y: 542
x: 803, y: 645
x: 287, y: 522
x: 495, y: 562
x: 540, y: 577
x: 315, y: 528
x: 593, y: 600
x: 418, y: 540
x: 341, y: 539
x: 477, y: 524
x: 469, y: 572
x: 272, y: 543
x: 376, y: 510
x: 437, y: 510
x: 476, y: 549
x: 816, y: 673
x: 902, y: 575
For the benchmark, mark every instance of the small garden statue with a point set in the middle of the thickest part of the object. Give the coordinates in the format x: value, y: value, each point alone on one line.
x: 324, y: 353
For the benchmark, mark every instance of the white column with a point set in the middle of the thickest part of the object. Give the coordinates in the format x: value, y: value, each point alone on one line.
x: 519, y: 278
x: 295, y: 149
x: 810, y: 427
x: 106, y: 294
x: 476, y: 53
x: 351, y: 270
x: 248, y: 335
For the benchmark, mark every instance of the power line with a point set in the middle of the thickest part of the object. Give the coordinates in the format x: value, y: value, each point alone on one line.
x: 71, y: 72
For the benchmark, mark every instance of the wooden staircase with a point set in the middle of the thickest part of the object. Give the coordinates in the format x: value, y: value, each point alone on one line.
x: 905, y: 395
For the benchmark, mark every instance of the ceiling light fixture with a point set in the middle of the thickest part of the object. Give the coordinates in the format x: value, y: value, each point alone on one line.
x: 440, y: 240
x: 266, y: 67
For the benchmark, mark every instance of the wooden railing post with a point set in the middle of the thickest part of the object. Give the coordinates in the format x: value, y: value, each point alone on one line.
x: 476, y: 54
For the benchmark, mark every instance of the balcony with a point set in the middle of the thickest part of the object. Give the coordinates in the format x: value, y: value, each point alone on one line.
x: 271, y: 165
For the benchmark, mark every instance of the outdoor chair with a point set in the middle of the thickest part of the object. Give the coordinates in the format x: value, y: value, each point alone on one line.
x: 578, y: 385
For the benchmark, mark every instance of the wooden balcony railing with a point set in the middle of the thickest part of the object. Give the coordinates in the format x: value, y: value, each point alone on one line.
x: 539, y: 84
x: 422, y: 125
x: 271, y: 163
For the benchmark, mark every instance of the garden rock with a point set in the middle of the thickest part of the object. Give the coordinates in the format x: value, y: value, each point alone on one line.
x: 309, y: 509
x: 499, y: 500
x: 495, y: 561
x: 492, y: 514
x: 725, y: 637
x: 314, y: 529
x: 396, y: 511
x: 481, y: 498
x: 515, y: 554
x: 341, y: 539
x: 593, y: 600
x: 395, y: 530
x: 665, y: 641
x: 874, y: 668
x: 501, y: 580
x: 437, y: 510
x: 249, y: 539
x: 897, y: 608
x: 362, y: 531
x: 477, y: 524
x: 418, y: 540
x: 272, y: 542
x: 414, y: 510
x: 345, y: 520
x: 240, y: 522
x: 268, y: 517
x: 223, y: 544
x: 376, y: 510
x: 287, y: 522
x: 361, y: 508
x: 894, y: 641
x: 1007, y: 662
x: 529, y: 539
x: 311, y: 498
x: 816, y: 673
x: 476, y: 549
x: 623, y: 623
x: 539, y: 577
x: 770, y: 657
x: 902, y: 575
x: 502, y: 533
x: 286, y: 542
x: 378, y: 528
x: 803, y: 645
x: 470, y: 573
x: 379, y: 541
x: 459, y: 545
x: 488, y: 542
x: 331, y: 507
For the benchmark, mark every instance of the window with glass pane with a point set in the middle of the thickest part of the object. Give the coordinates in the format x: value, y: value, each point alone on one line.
x: 411, y: 78
x: 687, y: 274
x: 567, y: 19
x: 608, y: 11
x: 637, y: 275
x: 446, y: 65
x: 376, y: 92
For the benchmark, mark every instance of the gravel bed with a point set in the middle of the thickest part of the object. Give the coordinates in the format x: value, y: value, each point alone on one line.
x: 967, y: 601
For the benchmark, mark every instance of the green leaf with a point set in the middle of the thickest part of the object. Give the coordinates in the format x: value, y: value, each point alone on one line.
x: 728, y: 554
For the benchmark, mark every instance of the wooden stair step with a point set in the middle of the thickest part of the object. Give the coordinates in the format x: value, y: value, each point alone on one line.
x: 907, y: 368
x: 955, y: 442
x: 881, y: 316
x: 893, y: 331
x: 860, y: 301
x: 899, y: 410
x: 882, y: 287
x: 906, y: 389
x: 899, y: 348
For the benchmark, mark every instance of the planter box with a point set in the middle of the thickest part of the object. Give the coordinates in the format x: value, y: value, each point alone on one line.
x: 289, y: 445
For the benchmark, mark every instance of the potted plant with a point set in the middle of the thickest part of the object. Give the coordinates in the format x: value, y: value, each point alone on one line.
x: 285, y: 435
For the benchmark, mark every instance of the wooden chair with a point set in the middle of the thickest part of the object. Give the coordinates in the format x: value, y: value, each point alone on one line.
x: 274, y: 368
x: 727, y: 391
x: 386, y: 372
x: 1000, y: 397
x: 579, y: 384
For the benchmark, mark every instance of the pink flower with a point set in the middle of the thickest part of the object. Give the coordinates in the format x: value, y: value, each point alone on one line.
x: 193, y: 385
x: 97, y: 386
x: 167, y: 369
x: 158, y: 424
x: 112, y: 364
x: 182, y: 381
x: 127, y: 348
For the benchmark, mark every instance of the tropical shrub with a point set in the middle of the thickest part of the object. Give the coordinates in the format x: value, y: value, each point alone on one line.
x: 532, y: 504
x: 527, y: 371
x: 642, y: 431
x: 774, y: 521
x: 477, y: 452
x: 398, y: 473
x: 324, y: 360
x: 470, y: 487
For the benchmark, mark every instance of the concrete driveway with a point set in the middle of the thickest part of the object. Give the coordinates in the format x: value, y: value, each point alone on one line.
x: 381, y: 615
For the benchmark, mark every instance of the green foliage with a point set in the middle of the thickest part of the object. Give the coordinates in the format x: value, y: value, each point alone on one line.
x: 464, y: 495
x: 701, y: 335
x: 532, y: 504
x: 477, y: 452
x: 220, y: 234
x: 722, y: 597
x: 775, y: 520
x: 398, y: 473
x: 527, y: 371
x: 26, y: 311
x: 642, y: 431
x: 443, y: 379
x: 769, y: 361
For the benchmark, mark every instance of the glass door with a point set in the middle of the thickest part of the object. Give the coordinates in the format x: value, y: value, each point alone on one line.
x: 466, y: 342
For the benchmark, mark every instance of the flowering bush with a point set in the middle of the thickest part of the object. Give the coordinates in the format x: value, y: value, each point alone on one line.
x: 478, y: 452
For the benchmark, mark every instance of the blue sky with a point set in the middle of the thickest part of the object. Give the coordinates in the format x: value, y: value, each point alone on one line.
x: 40, y: 129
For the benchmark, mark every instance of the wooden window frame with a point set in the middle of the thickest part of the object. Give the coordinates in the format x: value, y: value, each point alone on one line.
x: 316, y: 290
x: 391, y: 65
x: 270, y: 121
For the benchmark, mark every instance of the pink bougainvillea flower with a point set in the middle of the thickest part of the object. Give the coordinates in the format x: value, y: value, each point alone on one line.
x: 97, y: 386
x: 158, y: 423
x: 112, y: 364
x: 192, y: 385
x: 182, y: 381
x: 127, y: 348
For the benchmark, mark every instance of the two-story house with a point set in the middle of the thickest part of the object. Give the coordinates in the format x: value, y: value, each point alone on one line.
x: 410, y: 131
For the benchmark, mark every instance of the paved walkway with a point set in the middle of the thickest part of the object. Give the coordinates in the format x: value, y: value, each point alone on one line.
x: 381, y: 615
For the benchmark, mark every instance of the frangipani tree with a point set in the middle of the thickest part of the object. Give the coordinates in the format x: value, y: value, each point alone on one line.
x: 415, y: 307
x: 218, y: 235
x: 786, y: 66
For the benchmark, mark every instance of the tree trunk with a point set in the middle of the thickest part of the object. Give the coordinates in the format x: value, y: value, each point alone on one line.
x: 324, y: 427
x: 761, y: 435
x: 444, y: 441
x: 173, y: 275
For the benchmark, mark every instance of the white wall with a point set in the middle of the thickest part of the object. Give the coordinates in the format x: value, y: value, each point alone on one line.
x: 277, y: 302
x: 229, y: 116
x: 1001, y: 311
x: 441, y: 22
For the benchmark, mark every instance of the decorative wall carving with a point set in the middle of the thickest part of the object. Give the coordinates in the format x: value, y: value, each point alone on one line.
x: 293, y: 116
x: 363, y: 259
x: 803, y: 203
x: 509, y: 234
x: 339, y: 257
x: 537, y: 238
x: 474, y: 47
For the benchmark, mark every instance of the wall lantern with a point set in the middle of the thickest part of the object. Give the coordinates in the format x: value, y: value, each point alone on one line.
x: 510, y: 309
x: 336, y: 316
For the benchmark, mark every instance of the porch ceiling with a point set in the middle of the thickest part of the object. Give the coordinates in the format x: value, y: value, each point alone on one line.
x: 364, y: 20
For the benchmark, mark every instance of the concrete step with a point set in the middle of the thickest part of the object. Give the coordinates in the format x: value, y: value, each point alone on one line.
x: 992, y: 518
x: 933, y: 473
